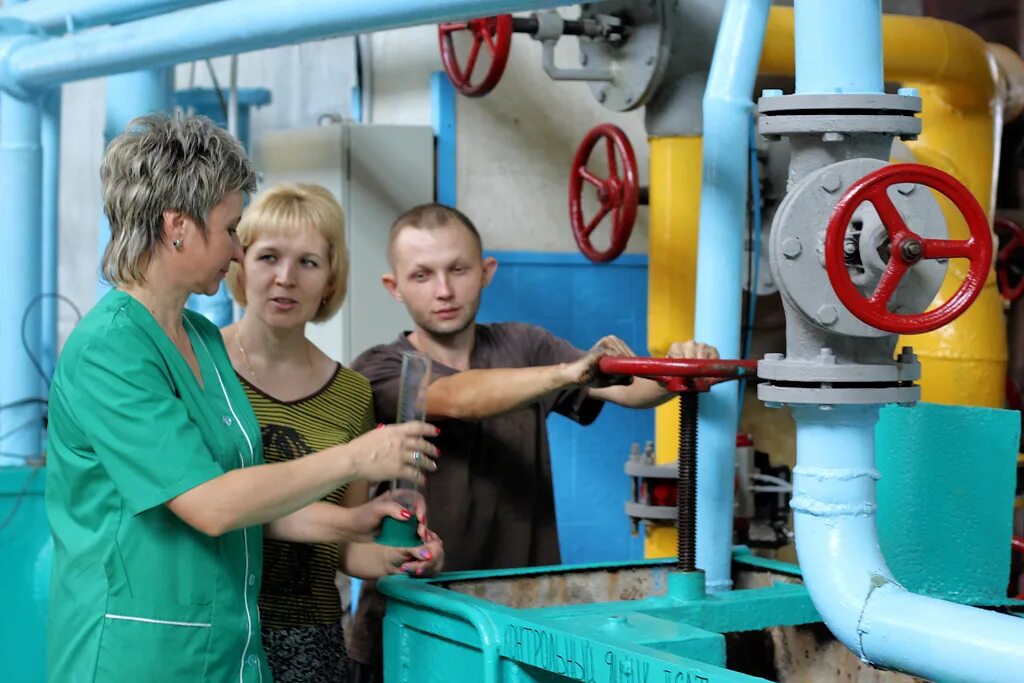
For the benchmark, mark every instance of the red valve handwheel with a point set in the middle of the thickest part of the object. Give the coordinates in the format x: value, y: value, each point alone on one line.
x: 494, y: 33
x: 1008, y: 259
x: 619, y: 193
x: 680, y: 374
x: 907, y: 248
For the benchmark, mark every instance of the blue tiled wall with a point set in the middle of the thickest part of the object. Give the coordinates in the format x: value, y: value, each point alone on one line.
x: 582, y: 302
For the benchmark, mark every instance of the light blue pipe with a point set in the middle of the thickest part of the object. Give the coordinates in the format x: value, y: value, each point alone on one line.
x: 226, y: 27
x: 723, y: 200
x: 838, y: 46
x: 50, y: 125
x: 21, y: 161
x: 58, y: 16
x: 128, y: 96
x: 847, y: 577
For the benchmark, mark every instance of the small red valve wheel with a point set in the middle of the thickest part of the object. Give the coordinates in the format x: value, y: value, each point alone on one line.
x: 494, y: 33
x: 680, y: 374
x: 907, y: 248
x: 619, y: 193
x: 1009, y: 259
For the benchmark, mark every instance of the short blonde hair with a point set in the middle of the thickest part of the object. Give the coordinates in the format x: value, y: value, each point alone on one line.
x: 161, y: 163
x: 287, y: 209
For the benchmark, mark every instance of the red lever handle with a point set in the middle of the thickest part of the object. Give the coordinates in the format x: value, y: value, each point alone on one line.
x: 680, y: 374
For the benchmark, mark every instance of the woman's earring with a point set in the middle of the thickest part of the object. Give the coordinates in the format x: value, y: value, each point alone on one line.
x: 177, y: 244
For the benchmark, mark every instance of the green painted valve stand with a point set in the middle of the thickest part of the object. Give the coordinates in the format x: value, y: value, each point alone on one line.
x: 438, y: 630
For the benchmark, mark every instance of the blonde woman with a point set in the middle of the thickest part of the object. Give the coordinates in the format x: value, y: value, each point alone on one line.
x: 295, y: 271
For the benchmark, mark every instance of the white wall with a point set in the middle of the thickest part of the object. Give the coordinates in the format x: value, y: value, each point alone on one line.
x: 514, y: 145
x: 306, y: 82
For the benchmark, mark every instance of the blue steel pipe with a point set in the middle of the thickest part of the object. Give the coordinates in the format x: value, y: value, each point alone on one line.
x: 226, y: 27
x: 50, y: 125
x: 128, y: 96
x: 838, y: 46
x: 58, y: 16
x: 21, y: 158
x: 847, y: 577
x: 723, y: 200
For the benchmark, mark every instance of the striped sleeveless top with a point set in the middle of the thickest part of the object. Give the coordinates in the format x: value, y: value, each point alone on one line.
x: 298, y: 579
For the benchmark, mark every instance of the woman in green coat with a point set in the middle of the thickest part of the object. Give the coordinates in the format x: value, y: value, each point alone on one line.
x: 157, y: 495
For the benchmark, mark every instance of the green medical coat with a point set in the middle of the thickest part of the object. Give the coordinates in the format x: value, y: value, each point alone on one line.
x: 137, y: 594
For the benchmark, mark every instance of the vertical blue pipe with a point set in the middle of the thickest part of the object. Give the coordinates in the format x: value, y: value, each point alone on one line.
x: 727, y: 119
x: 442, y: 114
x: 21, y: 161
x: 50, y: 238
x: 128, y: 96
x: 838, y: 46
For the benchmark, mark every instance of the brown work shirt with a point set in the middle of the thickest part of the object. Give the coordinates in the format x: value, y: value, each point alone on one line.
x: 491, y: 499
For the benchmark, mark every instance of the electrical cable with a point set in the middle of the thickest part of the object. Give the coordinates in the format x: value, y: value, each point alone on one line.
x: 216, y: 88
x: 778, y: 481
x: 27, y: 423
x: 36, y: 461
x: 24, y: 329
x: 24, y: 401
x: 20, y: 497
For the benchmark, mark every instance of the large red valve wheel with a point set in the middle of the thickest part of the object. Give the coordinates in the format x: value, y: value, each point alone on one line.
x: 679, y: 374
x: 492, y: 33
x: 907, y: 248
x: 619, y: 193
x: 1009, y: 274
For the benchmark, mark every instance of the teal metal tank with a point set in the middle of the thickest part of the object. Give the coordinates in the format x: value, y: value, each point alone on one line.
x: 26, y: 549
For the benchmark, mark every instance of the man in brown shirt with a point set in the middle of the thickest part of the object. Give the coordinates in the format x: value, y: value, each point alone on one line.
x: 492, y: 498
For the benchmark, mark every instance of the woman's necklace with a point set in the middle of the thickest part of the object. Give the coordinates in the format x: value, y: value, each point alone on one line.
x: 248, y: 364
x: 245, y: 356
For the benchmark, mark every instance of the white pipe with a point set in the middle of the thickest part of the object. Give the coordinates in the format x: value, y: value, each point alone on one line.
x: 847, y: 577
x: 232, y: 117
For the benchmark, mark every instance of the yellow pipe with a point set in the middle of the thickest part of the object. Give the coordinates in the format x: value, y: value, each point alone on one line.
x: 956, y: 77
x: 672, y: 281
x: 951, y: 67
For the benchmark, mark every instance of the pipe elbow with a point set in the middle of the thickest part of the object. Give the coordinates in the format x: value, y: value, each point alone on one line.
x: 840, y: 572
x: 19, y: 33
x: 1010, y: 67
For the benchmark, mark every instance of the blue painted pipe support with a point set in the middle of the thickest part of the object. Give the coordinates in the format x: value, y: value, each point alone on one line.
x: 226, y: 27
x: 21, y: 159
x: 838, y: 46
x: 727, y: 120
x: 852, y: 588
x: 50, y: 124
x: 128, y: 96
